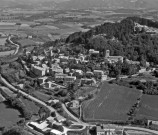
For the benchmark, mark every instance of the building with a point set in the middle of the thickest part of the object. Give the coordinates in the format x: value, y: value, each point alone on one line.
x: 56, y: 70
x: 92, y: 51
x: 69, y: 79
x: 55, y: 132
x: 112, y: 59
x: 38, y: 126
x: 87, y: 81
x: 42, y: 80
x: 109, y: 130
x: 60, y: 77
x: 75, y: 104
x: 104, y: 77
x: 98, y: 72
x: 100, y: 130
x: 39, y: 71
x: 49, y: 85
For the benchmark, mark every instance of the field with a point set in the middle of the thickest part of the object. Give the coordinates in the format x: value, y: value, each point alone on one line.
x: 8, y: 116
x: 31, y: 106
x: 41, y: 96
x: 3, y: 41
x: 26, y: 42
x: 149, y: 107
x: 112, y: 103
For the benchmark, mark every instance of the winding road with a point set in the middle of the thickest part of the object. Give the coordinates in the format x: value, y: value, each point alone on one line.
x: 17, y: 46
x: 78, y: 122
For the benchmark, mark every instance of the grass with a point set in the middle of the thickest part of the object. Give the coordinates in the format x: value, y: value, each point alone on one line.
x: 84, y: 91
x: 111, y: 104
x: 26, y: 42
x: 149, y: 107
x: 41, y: 96
x: 8, y: 116
x: 31, y: 106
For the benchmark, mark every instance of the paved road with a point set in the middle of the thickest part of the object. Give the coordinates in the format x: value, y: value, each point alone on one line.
x: 141, y: 129
x: 75, y: 118
x: 30, y: 97
x: 79, y: 122
x: 17, y: 46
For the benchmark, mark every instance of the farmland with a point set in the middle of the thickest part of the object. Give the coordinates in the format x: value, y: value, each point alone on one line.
x: 149, y: 107
x: 112, y: 103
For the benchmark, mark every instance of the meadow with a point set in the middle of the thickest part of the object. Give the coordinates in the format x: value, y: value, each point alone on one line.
x: 148, y: 107
x: 112, y: 103
x: 8, y: 116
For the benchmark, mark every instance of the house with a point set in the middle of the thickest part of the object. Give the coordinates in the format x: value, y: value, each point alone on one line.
x: 49, y: 85
x: 56, y: 70
x: 60, y: 77
x: 69, y: 79
x: 98, y: 72
x: 112, y: 59
x: 105, y: 130
x: 92, y: 51
x: 55, y: 132
x: 38, y: 126
x: 75, y: 104
x: 142, y: 70
x: 100, y: 130
x: 87, y: 81
x: 79, y: 71
x: 41, y: 80
x: 104, y: 77
x: 39, y: 71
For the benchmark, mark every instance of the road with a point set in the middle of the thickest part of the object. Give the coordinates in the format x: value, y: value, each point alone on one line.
x: 140, y: 129
x: 79, y: 122
x: 17, y: 46
x: 75, y: 118
x: 30, y: 97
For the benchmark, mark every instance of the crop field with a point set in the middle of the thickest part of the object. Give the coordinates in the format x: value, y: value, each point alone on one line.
x: 8, y: 116
x: 26, y: 42
x: 112, y: 103
x: 149, y: 107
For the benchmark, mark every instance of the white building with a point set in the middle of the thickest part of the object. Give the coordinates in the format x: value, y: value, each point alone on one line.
x: 92, y: 51
x: 39, y: 71
x: 112, y: 59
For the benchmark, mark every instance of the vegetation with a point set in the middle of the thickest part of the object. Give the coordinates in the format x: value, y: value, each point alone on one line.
x: 134, y: 45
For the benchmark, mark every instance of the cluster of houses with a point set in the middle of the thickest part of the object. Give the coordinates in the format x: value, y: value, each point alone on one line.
x: 67, y: 75
x: 52, y: 125
x: 109, y: 130
x: 40, y: 68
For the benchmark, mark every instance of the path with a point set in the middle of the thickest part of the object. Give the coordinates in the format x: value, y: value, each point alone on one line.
x: 30, y: 97
x: 17, y: 46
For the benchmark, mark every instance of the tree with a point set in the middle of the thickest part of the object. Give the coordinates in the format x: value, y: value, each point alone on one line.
x: 17, y: 130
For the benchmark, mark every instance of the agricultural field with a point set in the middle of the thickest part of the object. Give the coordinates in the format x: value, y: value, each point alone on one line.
x: 8, y: 116
x: 26, y: 42
x: 2, y: 41
x: 149, y: 107
x: 112, y: 103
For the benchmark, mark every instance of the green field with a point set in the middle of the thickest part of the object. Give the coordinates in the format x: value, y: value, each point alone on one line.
x: 31, y: 106
x: 149, y: 107
x: 41, y: 96
x: 111, y: 104
x: 8, y: 116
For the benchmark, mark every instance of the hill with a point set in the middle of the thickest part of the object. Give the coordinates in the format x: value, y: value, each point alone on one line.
x: 122, y: 39
x: 85, y: 4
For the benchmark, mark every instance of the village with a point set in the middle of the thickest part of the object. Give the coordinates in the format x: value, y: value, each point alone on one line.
x: 53, y: 72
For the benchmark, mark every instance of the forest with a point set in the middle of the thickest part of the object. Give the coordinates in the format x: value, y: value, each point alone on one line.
x: 121, y: 39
